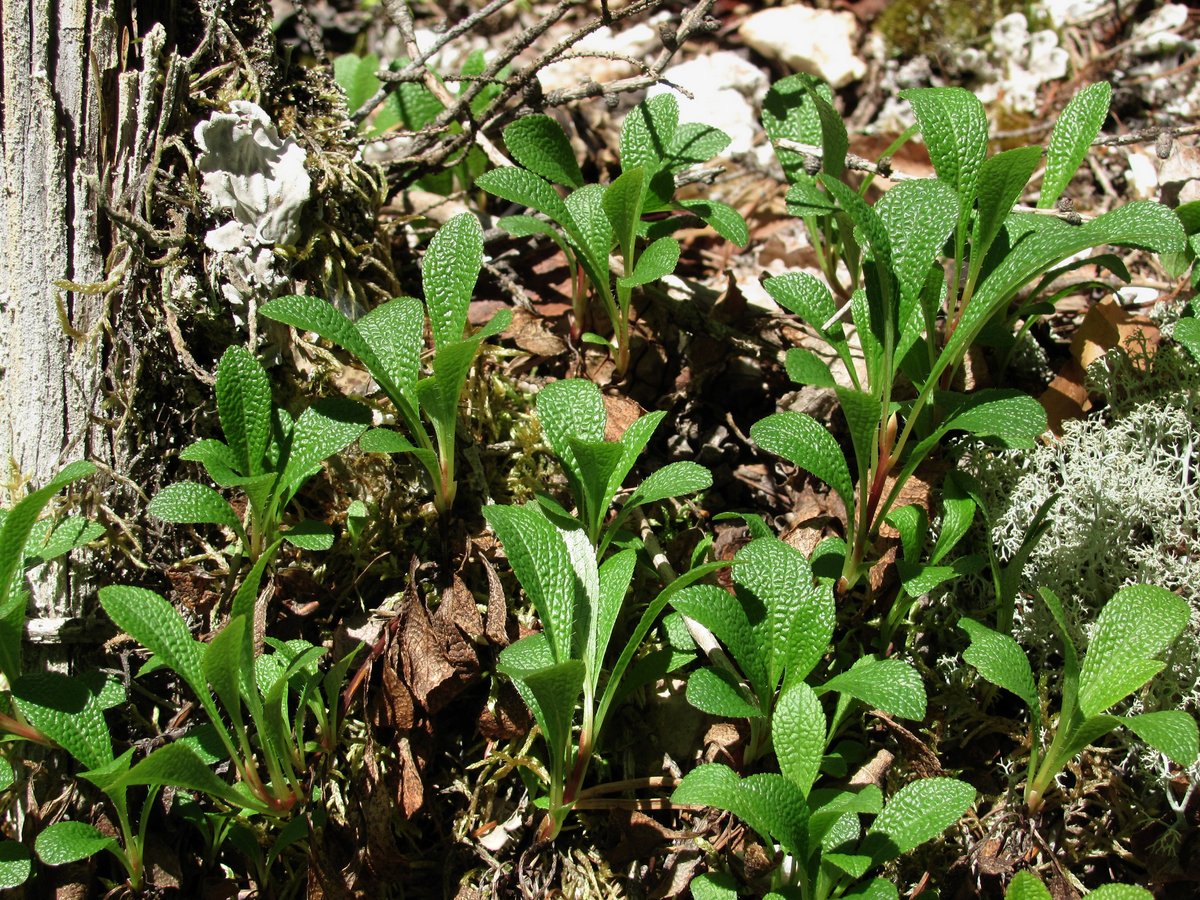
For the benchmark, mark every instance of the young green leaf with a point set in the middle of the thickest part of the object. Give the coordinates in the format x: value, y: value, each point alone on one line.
x: 539, y: 557
x: 725, y: 616
x: 798, y: 729
x: 713, y: 887
x: 954, y: 125
x: 67, y: 711
x: 805, y: 295
x: 187, y: 502
x: 449, y: 271
x: 889, y: 684
x: 805, y: 367
x: 177, y: 765
x: 1026, y: 886
x: 958, y: 512
x: 539, y: 144
x: 1119, y: 892
x: 1001, y: 661
x: 518, y: 185
x: 862, y: 412
x: 151, y: 621
x: 15, y: 864
x: 395, y: 332
x: 623, y: 202
x: 805, y: 442
x: 919, y: 216
x: 721, y: 218
x: 648, y: 133
x: 695, y: 143
x: 716, y: 692
x: 917, y: 813
x: 1002, y: 179
x: 1170, y: 731
x: 789, y: 112
x: 1135, y: 625
x: 657, y: 260
x: 244, y: 407
x: 1013, y: 417
x: 68, y: 842
x: 1073, y: 134
x: 310, y: 535
x: 768, y: 803
x: 325, y: 428
x: 672, y: 480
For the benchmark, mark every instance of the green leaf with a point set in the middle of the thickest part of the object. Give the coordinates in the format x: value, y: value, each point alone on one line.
x: 69, y: 534
x: 244, y: 407
x: 68, y: 711
x: 395, y: 332
x: 555, y: 691
x: 954, y: 125
x: 1001, y: 661
x: 68, y: 842
x: 448, y: 272
x: 657, y: 260
x: 325, y: 428
x: 798, y: 729
x: 721, y: 218
x: 225, y: 659
x: 15, y: 864
x: 540, y: 145
x: 790, y: 112
x: 862, y: 412
x: 322, y: 318
x: 595, y: 232
x: 1139, y: 224
x: 614, y: 577
x: 1073, y: 134
x: 726, y: 618
x: 1135, y: 625
x: 356, y: 76
x: 518, y: 185
x: 7, y: 776
x: 713, y: 887
x: 805, y: 295
x: 153, y: 622
x: 799, y: 614
x: 538, y: 556
x: 1170, y: 731
x: 672, y: 480
x: 1010, y: 415
x: 716, y: 692
x: 921, y: 579
x: 623, y: 202
x: 1119, y: 892
x: 1026, y: 886
x: 805, y: 442
x: 177, y: 765
x: 919, y: 216
x: 1002, y: 179
x: 571, y: 408
x: 310, y: 535
x: 14, y: 535
x: 1187, y: 333
x: 648, y: 133
x: 597, y: 460
x: 216, y: 457
x: 768, y: 803
x: 913, y: 525
x: 958, y: 512
x: 695, y: 143
x: 875, y: 889
x: 889, y: 684
x: 917, y: 813
x: 190, y: 503
x: 805, y: 367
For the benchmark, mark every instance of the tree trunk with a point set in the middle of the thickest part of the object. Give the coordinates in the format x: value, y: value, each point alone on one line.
x: 52, y: 129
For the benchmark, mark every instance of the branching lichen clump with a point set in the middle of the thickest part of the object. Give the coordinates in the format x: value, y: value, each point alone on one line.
x: 1128, y: 482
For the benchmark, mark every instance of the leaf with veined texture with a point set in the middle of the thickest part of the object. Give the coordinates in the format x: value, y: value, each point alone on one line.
x: 1076, y: 128
x: 623, y: 203
x: 539, y: 144
x: 1026, y: 886
x: 67, y: 842
x: 954, y: 125
x: 648, y: 133
x: 1135, y: 625
x: 1170, y: 731
x: 768, y: 803
x: 657, y: 260
x: 1001, y: 661
x: 325, y: 428
x: 805, y: 367
x: 194, y: 504
x: 244, y: 407
x: 798, y: 730
x: 518, y: 185
x: 889, y: 684
x: 917, y: 813
x: 68, y: 711
x: 805, y: 442
x: 721, y: 218
x: 672, y: 480
x: 805, y: 295
x: 448, y: 273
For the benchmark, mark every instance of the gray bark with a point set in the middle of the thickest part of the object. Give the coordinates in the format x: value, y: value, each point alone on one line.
x: 52, y: 129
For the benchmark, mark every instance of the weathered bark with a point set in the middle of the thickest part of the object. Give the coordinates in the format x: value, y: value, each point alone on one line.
x: 51, y: 134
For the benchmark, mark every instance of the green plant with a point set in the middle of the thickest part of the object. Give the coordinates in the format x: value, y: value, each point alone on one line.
x: 1027, y: 886
x: 266, y: 454
x: 913, y: 323
x: 412, y: 106
x: 593, y: 220
x: 15, y: 861
x: 777, y: 627
x: 389, y: 341
x: 573, y: 419
x: 560, y: 671
x: 1134, y: 627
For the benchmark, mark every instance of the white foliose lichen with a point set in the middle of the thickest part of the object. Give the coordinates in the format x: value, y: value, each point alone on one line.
x: 1128, y: 512
x: 260, y: 178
